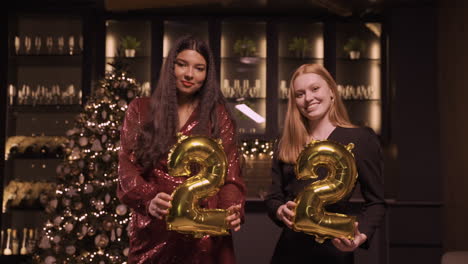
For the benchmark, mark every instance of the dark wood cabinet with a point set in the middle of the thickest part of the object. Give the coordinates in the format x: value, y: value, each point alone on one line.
x: 54, y: 60
x: 257, y: 56
x: 46, y: 82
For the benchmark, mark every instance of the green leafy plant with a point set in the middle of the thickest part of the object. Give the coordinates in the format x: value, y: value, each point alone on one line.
x: 245, y: 47
x: 299, y: 46
x: 129, y: 42
x: 354, y: 44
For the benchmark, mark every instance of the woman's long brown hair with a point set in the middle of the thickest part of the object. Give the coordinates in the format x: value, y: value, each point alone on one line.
x: 159, y: 134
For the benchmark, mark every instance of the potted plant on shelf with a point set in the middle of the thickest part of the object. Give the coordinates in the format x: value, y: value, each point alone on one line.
x: 299, y: 46
x: 354, y: 46
x: 246, y: 49
x: 130, y: 45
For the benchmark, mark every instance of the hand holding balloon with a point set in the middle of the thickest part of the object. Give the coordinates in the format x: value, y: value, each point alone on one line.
x: 286, y: 213
x: 233, y: 219
x: 160, y: 204
x: 346, y: 245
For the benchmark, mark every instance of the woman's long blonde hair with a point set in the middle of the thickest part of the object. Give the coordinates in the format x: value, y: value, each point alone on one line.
x: 295, y: 132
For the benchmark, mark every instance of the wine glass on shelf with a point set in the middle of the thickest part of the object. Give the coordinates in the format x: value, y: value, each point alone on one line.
x: 60, y: 44
x: 17, y: 44
x: 283, y: 89
x: 55, y: 94
x: 80, y: 95
x: 26, y: 94
x: 7, y: 251
x: 35, y: 95
x: 237, y: 89
x: 80, y: 43
x: 71, y: 93
x: 11, y: 93
x: 20, y: 97
x: 369, y: 92
x: 23, y: 250
x: 245, y: 88
x: 42, y: 95
x: 224, y: 88
x: 355, y: 92
x: 71, y: 45
x: 37, y: 44
x: 258, y: 87
x: 27, y: 44
x: 49, y: 44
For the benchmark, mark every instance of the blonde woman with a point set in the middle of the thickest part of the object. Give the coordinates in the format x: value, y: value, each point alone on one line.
x: 316, y: 112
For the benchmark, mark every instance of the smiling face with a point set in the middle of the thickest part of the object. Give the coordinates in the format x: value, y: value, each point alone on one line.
x: 313, y: 96
x: 190, y: 72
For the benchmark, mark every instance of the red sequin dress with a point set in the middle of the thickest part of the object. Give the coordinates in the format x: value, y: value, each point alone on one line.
x: 150, y: 241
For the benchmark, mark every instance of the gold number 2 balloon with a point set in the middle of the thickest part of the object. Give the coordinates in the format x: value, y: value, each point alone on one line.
x: 311, y: 217
x: 186, y: 216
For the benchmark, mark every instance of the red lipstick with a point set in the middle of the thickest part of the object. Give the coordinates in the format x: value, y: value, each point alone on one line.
x: 187, y: 84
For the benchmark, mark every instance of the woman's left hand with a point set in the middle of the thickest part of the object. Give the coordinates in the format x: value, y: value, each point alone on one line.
x: 233, y: 219
x: 346, y: 245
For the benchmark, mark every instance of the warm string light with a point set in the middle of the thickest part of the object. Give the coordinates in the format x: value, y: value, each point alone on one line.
x: 89, y: 124
x: 257, y: 148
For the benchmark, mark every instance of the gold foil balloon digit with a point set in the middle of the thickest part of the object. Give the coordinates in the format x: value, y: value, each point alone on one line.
x: 311, y: 216
x: 186, y: 216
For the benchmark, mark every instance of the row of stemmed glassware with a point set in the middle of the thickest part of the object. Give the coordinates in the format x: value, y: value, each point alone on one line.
x: 356, y: 92
x: 44, y: 95
x: 27, y: 45
x: 241, y: 91
x: 10, y: 243
x: 347, y: 92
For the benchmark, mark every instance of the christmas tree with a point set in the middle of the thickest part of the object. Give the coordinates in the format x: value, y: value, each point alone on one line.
x: 86, y: 221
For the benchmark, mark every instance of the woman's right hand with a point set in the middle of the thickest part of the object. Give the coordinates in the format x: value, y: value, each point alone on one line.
x: 285, y: 213
x: 160, y: 204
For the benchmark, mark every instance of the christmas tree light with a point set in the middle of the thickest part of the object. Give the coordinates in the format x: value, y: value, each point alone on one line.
x: 86, y: 222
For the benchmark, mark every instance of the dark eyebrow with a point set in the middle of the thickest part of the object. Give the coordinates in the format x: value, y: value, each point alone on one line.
x: 184, y: 61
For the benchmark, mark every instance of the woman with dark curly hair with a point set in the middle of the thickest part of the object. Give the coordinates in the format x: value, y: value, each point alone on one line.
x: 188, y: 100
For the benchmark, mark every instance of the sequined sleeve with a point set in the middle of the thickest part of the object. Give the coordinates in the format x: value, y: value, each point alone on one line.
x: 133, y: 190
x: 233, y: 190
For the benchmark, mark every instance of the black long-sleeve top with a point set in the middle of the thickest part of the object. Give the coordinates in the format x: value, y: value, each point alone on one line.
x: 368, y: 155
